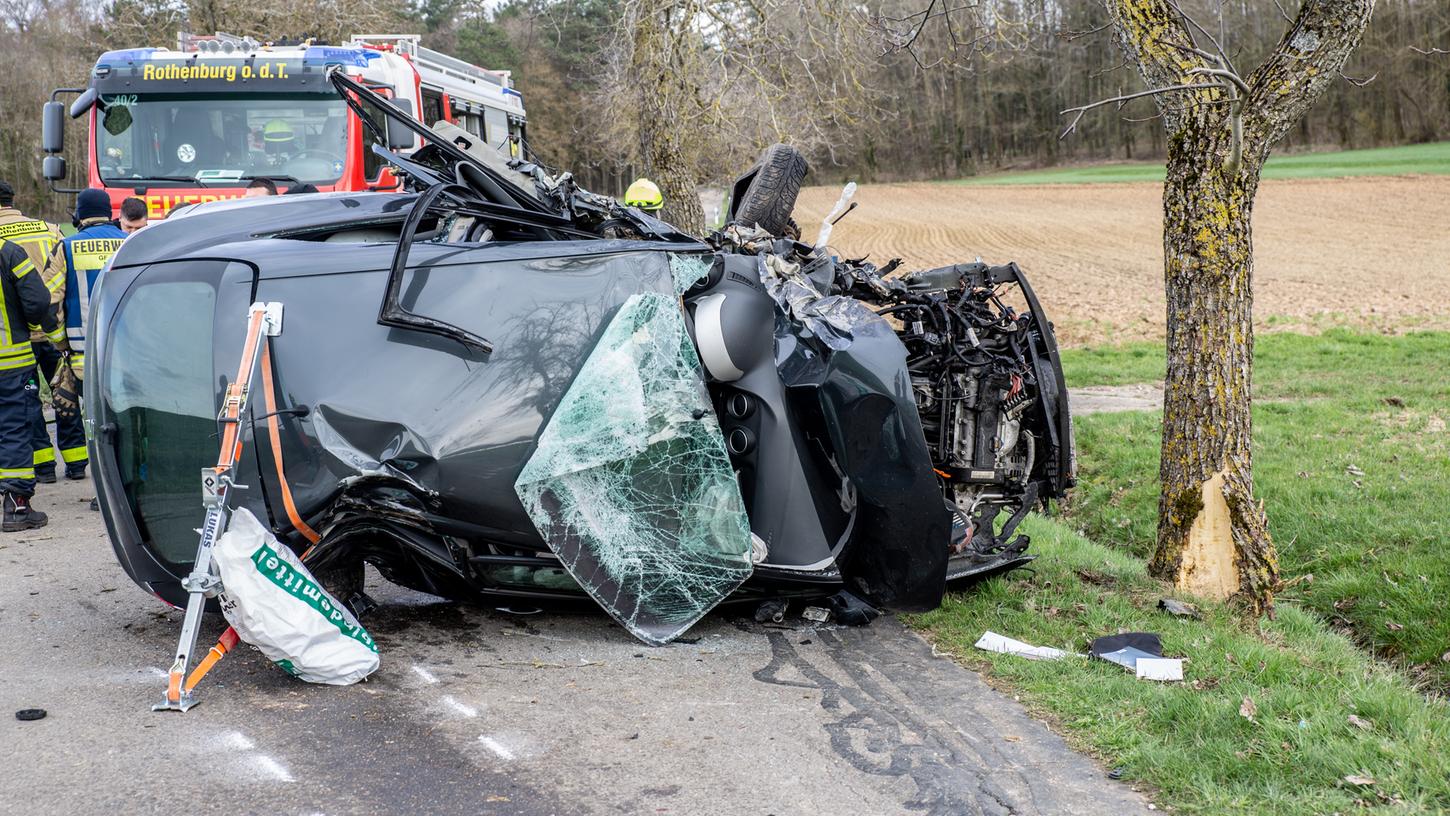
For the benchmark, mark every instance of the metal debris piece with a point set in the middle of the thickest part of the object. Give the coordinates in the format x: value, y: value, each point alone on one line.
x: 1179, y: 609
x: 816, y: 613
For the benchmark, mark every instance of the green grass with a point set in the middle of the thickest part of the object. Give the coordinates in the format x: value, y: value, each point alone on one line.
x: 1187, y: 741
x: 1431, y: 158
x: 1326, y: 406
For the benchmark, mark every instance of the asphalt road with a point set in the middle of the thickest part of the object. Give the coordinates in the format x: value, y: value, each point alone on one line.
x: 478, y: 712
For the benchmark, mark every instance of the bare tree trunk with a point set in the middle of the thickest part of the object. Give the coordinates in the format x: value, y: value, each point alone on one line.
x: 1212, y: 534
x: 663, y: 91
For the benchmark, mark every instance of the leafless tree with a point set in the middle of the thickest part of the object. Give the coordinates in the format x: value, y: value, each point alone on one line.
x: 1213, y: 537
x: 698, y: 86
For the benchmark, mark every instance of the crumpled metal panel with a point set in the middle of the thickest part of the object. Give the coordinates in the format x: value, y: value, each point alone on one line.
x: 630, y: 484
x: 833, y: 318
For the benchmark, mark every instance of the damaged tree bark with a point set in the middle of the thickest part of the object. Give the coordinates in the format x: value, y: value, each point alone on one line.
x: 1213, y: 537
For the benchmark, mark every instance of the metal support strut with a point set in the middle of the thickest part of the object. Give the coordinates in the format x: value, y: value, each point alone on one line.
x: 263, y: 320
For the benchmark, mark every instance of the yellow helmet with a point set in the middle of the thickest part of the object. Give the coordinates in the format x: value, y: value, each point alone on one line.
x: 277, y: 130
x: 644, y: 194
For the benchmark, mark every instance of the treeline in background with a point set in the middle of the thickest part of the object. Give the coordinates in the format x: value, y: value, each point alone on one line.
x: 924, y: 90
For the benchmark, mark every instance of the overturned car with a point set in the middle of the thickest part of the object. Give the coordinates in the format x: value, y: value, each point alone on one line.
x: 495, y: 386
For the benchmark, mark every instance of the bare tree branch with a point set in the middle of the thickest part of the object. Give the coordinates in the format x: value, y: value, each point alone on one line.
x: 1080, y: 110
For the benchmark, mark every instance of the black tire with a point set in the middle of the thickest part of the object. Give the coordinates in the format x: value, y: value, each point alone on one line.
x: 770, y: 198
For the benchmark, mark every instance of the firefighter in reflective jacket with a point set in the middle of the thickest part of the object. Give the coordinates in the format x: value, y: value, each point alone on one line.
x: 24, y: 301
x: 39, y: 239
x: 70, y: 275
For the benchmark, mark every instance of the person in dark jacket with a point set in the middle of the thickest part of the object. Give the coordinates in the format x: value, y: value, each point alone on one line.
x: 72, y: 272
x: 24, y: 302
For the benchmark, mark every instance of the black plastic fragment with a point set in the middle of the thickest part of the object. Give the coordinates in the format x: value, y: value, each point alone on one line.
x: 851, y: 610
x: 30, y: 714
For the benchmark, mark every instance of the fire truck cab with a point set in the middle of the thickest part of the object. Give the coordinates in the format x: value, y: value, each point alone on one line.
x: 201, y: 122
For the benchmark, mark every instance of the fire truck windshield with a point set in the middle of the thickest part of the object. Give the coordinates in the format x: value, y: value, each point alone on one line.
x: 220, y: 138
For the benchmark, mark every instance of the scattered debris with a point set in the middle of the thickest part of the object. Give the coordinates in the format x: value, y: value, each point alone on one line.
x: 27, y: 714
x: 771, y: 612
x: 1360, y: 722
x: 1169, y: 669
x: 993, y: 642
x: 1357, y: 779
x: 1127, y: 648
x: 851, y: 610
x: 817, y: 614
x: 1116, y: 773
x: 1354, y: 470
x: 1394, y: 402
x: 1179, y: 609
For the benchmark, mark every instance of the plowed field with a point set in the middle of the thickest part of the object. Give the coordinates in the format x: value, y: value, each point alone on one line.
x: 1365, y: 252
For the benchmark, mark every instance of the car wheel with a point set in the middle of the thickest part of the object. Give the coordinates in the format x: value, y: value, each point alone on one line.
x: 770, y: 197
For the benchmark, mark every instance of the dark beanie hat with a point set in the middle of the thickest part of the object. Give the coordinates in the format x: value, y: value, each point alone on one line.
x: 93, y: 203
x: 7, y: 194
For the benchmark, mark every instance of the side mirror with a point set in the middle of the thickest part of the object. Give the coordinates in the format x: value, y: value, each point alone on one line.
x: 53, y: 168
x: 399, y: 136
x: 52, y: 128
x: 83, y: 103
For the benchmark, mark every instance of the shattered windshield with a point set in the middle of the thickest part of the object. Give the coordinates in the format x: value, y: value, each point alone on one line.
x: 221, y: 137
x: 631, y: 486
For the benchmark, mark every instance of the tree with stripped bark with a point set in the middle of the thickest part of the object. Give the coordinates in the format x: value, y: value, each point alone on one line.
x: 1213, y: 537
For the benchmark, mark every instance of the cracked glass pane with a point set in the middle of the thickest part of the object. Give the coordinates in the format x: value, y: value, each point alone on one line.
x: 688, y: 269
x: 631, y: 486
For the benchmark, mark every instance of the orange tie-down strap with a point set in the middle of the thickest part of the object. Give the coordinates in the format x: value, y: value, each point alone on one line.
x: 229, y: 638
x: 231, y: 448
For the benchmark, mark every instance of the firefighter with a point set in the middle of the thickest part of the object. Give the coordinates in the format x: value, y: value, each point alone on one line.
x: 24, y: 301
x: 70, y: 276
x: 38, y: 239
x: 279, y: 140
x: 644, y: 194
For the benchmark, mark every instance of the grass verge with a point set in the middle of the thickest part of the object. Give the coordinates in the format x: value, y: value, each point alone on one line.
x: 1189, y: 741
x: 1433, y: 158
x: 1352, y: 458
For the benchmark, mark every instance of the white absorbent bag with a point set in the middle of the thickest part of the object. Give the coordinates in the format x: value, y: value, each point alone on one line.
x: 275, y: 604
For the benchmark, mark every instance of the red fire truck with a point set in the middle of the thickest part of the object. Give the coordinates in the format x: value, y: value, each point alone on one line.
x: 201, y: 122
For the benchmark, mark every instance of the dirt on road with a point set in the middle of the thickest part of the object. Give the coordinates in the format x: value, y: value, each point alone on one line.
x: 1365, y: 252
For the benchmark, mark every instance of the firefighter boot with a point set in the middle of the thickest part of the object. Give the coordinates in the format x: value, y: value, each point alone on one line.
x: 19, y: 515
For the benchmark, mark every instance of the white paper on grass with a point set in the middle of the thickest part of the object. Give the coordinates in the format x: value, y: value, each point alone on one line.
x: 993, y: 642
x: 1159, y: 668
x: 275, y: 604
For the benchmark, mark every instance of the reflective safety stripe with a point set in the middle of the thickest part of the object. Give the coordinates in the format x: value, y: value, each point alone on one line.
x: 16, y: 355
x: 17, y: 473
x: 57, y: 335
x: 55, y: 283
x: 73, y: 455
x: 45, y: 457
x: 24, y: 268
